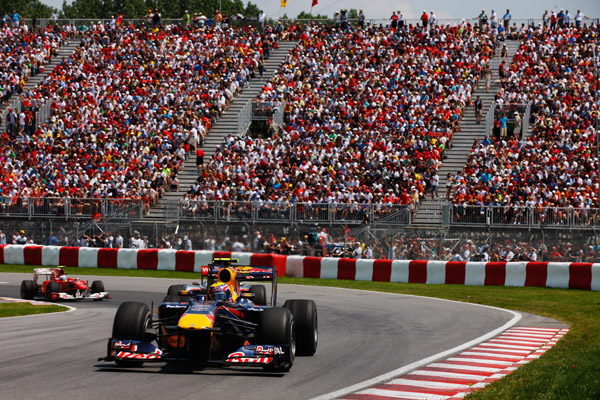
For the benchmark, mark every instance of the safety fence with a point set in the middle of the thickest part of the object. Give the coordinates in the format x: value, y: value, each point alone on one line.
x: 70, y: 208
x: 584, y: 276
x: 288, y: 212
x: 512, y: 216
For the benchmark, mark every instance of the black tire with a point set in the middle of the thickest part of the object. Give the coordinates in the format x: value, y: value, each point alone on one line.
x: 174, y: 290
x: 260, y: 295
x: 27, y: 289
x: 306, y: 324
x: 52, y: 287
x: 97, y: 287
x: 131, y: 321
x: 277, y: 328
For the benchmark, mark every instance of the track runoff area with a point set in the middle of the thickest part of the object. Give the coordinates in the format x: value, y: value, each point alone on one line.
x: 452, y: 371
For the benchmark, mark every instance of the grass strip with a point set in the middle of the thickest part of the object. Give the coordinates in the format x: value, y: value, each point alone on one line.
x: 18, y: 309
x: 570, y: 370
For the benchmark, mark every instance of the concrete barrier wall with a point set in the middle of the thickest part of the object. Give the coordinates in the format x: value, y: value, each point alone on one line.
x: 584, y: 276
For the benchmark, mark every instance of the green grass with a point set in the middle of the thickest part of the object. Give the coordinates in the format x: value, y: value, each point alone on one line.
x: 570, y: 370
x: 17, y: 309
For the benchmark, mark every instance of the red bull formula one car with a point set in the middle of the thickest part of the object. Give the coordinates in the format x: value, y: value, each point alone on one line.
x: 53, y: 284
x: 219, y: 321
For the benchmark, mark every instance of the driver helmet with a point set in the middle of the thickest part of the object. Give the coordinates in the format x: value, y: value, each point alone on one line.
x: 63, y: 277
x: 219, y: 291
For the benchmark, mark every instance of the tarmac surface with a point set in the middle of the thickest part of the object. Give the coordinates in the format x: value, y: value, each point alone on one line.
x: 361, y: 335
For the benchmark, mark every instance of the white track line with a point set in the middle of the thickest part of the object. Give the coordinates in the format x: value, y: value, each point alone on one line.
x: 410, y: 367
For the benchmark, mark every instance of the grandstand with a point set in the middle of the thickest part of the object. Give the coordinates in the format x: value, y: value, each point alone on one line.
x: 375, y: 119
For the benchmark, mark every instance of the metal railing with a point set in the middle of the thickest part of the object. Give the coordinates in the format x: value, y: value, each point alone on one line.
x: 244, y: 119
x: 489, y: 119
x: 525, y: 121
x: 70, y: 208
x: 511, y: 216
x: 286, y: 212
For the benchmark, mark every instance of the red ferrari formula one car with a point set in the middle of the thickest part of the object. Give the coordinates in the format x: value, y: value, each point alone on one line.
x: 53, y: 284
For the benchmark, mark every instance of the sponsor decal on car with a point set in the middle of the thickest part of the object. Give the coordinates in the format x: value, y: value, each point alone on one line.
x: 239, y: 357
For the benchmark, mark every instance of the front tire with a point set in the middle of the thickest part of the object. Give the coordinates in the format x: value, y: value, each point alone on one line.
x: 27, y: 289
x: 97, y: 287
x: 306, y: 323
x: 51, y: 288
x: 277, y: 328
x: 131, y: 321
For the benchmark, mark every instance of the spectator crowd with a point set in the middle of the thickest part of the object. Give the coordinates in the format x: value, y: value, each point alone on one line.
x: 557, y: 166
x: 127, y: 107
x: 368, y: 115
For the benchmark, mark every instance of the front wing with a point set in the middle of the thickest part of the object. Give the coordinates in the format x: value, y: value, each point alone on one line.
x: 249, y: 355
x: 80, y: 296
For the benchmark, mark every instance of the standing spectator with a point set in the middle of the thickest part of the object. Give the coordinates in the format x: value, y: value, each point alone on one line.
x: 361, y: 19
x: 394, y: 19
x: 493, y: 20
x: 16, y: 19
x: 567, y: 18
x: 503, y: 126
x: 483, y: 19
x: 560, y: 19
x: 186, y: 18
x: 435, y: 180
x: 119, y: 241
x: 432, y: 19
x: 2, y: 238
x: 199, y: 159
x: 401, y: 21
x: 502, y: 69
x: 262, y: 18
x: 218, y: 18
x: 517, y: 126
x: 478, y: 109
x: 424, y: 19
x: 449, y: 183
x: 579, y: 19
x: 506, y: 18
x: 156, y: 18
x: 545, y: 19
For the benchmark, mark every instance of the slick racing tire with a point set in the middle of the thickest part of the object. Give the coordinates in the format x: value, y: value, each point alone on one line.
x: 260, y: 295
x: 174, y: 290
x: 276, y: 328
x: 52, y: 287
x: 27, y: 289
x: 305, y: 321
x: 97, y: 287
x: 131, y: 321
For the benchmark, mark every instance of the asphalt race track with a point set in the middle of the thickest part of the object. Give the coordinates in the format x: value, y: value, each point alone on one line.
x: 361, y: 335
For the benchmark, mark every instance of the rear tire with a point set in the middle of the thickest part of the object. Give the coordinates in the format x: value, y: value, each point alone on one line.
x: 52, y: 287
x: 27, y: 289
x: 277, y: 328
x: 260, y: 295
x: 97, y: 287
x: 305, y: 321
x: 174, y: 290
x: 131, y: 321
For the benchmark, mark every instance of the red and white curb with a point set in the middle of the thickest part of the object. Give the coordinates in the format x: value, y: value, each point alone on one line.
x: 36, y: 303
x: 471, y: 370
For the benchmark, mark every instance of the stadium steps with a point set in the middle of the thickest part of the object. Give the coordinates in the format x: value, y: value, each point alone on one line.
x: 429, y: 212
x: 227, y: 124
x: 63, y: 53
